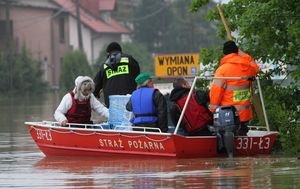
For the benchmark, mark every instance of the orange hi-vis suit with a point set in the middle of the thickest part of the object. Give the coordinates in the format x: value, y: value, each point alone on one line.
x: 226, y: 92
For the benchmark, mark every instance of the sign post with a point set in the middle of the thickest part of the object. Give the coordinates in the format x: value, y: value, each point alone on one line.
x: 172, y: 65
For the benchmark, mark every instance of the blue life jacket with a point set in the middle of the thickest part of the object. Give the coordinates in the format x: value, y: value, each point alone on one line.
x: 143, y: 106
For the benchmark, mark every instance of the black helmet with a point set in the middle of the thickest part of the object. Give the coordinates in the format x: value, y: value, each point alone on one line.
x: 230, y: 47
x: 113, y: 46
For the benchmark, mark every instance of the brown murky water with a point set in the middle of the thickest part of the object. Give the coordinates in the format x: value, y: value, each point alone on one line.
x: 22, y: 165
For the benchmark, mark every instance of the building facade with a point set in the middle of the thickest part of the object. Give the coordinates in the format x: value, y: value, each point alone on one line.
x: 48, y: 29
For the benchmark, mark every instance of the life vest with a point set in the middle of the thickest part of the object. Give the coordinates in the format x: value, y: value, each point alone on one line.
x: 80, y: 111
x: 143, y: 106
x: 234, y: 92
x: 196, y: 116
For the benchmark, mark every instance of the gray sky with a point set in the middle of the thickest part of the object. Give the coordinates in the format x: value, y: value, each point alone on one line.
x: 221, y: 1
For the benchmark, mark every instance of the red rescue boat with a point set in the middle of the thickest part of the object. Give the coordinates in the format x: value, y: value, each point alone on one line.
x: 52, y: 139
x: 98, y: 140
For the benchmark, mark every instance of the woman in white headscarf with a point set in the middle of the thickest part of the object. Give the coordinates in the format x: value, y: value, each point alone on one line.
x: 77, y: 105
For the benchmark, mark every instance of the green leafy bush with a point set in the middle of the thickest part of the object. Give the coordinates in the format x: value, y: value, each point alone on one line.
x: 20, y: 73
x: 273, y: 41
x: 74, y: 64
x: 282, y: 105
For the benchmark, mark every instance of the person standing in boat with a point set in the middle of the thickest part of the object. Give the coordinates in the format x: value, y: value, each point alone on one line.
x: 197, y: 115
x: 77, y: 105
x: 116, y: 75
x: 235, y: 63
x: 148, y: 105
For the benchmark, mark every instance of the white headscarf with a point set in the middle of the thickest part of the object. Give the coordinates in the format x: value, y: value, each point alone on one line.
x: 78, y: 87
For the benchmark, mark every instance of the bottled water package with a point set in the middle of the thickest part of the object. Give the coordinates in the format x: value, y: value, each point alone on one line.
x: 119, y: 117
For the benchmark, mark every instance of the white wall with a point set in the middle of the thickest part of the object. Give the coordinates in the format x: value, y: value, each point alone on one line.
x: 86, y: 38
x: 92, y: 45
x: 101, y: 42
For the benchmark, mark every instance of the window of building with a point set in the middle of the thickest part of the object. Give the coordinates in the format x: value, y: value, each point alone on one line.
x: 3, y: 28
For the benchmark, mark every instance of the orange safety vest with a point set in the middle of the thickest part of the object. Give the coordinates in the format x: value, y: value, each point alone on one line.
x: 225, y: 92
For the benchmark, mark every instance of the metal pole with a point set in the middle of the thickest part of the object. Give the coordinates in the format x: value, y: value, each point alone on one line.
x: 226, y: 78
x: 191, y: 90
x: 230, y: 78
x: 185, y: 105
x: 263, y: 104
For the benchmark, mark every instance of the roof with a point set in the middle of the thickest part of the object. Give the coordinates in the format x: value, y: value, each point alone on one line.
x: 107, y: 5
x: 33, y: 3
x: 87, y: 19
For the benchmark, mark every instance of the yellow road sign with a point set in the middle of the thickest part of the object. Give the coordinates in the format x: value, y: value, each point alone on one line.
x: 171, y: 65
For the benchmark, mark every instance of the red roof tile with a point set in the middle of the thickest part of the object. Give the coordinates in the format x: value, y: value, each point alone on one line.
x: 96, y: 25
x: 107, y: 5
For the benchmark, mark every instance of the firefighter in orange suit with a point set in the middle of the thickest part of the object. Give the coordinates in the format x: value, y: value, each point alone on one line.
x: 224, y: 92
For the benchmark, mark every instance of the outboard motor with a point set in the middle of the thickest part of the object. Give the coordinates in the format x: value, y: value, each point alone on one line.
x: 225, y: 123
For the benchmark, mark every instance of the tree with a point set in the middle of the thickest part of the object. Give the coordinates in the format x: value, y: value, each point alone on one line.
x: 269, y: 30
x: 168, y: 27
x: 20, y: 73
x: 141, y: 54
x: 152, y: 29
x: 74, y: 64
x: 190, y: 32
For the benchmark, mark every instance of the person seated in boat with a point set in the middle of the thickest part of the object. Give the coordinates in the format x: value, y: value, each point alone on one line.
x: 77, y: 105
x: 197, y: 115
x: 148, y: 105
x: 235, y: 63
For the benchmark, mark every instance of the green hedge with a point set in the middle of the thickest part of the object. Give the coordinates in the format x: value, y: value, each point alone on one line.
x: 20, y: 73
x: 74, y: 64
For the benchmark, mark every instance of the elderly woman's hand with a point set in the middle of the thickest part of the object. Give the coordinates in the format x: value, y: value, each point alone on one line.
x: 64, y: 123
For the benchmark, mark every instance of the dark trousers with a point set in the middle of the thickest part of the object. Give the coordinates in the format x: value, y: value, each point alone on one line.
x: 243, y: 129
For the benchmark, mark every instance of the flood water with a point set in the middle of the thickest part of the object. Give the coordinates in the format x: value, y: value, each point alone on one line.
x: 22, y: 165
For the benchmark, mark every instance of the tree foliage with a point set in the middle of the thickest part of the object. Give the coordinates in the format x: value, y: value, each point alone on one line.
x: 269, y: 31
x: 141, y: 54
x: 74, y: 64
x: 169, y: 27
x: 285, y: 115
x: 152, y: 30
x: 20, y: 73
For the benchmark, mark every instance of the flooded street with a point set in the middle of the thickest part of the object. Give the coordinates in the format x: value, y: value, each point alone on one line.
x: 22, y: 165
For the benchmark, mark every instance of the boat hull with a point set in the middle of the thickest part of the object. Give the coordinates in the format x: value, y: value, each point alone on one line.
x: 60, y: 141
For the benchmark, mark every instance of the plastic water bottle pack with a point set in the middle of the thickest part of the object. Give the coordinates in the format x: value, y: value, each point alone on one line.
x: 119, y: 117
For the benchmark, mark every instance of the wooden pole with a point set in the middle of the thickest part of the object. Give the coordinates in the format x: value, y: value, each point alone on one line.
x: 80, y: 44
x: 229, y: 37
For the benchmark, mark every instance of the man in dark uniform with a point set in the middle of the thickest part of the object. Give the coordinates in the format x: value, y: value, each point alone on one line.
x: 116, y: 75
